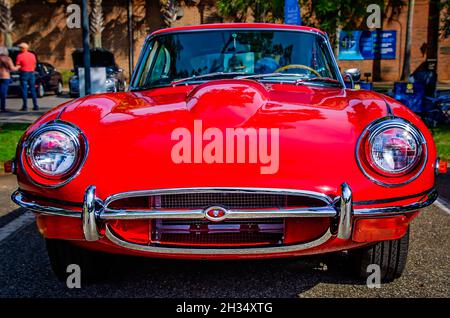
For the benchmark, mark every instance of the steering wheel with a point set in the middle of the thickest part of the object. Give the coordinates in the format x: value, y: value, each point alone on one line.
x: 304, y: 67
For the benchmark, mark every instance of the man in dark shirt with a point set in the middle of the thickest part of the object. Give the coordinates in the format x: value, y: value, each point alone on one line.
x: 27, y: 62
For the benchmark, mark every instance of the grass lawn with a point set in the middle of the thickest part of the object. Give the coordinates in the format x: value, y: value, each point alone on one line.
x: 9, y: 137
x: 441, y: 135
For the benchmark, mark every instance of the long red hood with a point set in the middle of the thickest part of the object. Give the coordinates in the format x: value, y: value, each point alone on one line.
x: 130, y: 142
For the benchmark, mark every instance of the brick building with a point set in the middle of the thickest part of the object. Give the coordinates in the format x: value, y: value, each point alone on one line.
x: 43, y: 25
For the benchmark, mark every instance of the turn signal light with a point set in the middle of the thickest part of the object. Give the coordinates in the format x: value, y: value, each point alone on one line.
x: 380, y: 229
x: 442, y: 166
x: 8, y: 165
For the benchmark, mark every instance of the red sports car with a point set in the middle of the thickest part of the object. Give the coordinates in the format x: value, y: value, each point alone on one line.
x: 235, y: 141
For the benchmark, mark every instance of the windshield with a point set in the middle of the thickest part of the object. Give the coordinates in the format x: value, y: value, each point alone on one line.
x: 187, y: 57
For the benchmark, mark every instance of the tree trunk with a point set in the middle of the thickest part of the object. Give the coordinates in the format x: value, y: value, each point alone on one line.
x: 6, y: 22
x: 407, y: 60
x: 97, y: 22
x: 8, y: 40
x: 433, y: 30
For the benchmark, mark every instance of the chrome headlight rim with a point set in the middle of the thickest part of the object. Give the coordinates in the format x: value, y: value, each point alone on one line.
x: 34, y: 174
x: 386, y: 178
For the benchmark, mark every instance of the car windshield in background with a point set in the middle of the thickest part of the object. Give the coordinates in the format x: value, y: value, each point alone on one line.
x: 269, y: 55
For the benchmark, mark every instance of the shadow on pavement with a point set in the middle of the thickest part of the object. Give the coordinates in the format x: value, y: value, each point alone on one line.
x: 26, y: 273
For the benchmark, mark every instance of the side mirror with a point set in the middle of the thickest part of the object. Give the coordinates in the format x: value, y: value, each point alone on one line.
x: 354, y: 74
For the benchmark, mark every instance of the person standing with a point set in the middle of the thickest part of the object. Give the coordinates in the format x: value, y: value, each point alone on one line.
x: 27, y: 62
x: 6, y: 67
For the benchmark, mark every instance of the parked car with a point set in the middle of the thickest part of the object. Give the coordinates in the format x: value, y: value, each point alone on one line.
x: 48, y: 79
x: 249, y: 147
x: 115, y: 79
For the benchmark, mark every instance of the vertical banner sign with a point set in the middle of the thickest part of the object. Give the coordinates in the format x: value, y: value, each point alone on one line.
x: 292, y: 12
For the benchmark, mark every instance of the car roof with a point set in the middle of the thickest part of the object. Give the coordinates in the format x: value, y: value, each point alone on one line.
x: 218, y: 26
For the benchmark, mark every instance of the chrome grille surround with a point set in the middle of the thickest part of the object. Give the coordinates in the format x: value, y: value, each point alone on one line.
x: 244, y: 200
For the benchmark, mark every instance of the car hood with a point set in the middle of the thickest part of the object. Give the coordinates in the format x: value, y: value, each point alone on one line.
x: 131, y: 136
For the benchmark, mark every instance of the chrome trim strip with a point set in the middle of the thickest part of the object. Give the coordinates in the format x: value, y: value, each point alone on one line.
x: 218, y: 251
x: 431, y: 197
x: 316, y: 195
x: 390, y: 200
x: 18, y: 198
x: 89, y: 214
x: 345, y: 213
x: 198, y: 214
x: 436, y: 166
x: 108, y: 214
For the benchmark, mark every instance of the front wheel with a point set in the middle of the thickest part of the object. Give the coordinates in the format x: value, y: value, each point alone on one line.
x: 59, y: 89
x: 40, y: 91
x: 93, y: 265
x: 390, y: 256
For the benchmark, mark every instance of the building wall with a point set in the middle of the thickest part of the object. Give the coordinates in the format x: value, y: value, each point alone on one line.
x: 391, y: 70
x: 44, y: 27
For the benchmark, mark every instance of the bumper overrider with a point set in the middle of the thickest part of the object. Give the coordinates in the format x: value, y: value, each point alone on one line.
x: 342, y: 210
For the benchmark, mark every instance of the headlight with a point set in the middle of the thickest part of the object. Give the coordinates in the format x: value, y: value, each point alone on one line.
x: 394, y: 150
x: 391, y: 152
x: 54, y: 153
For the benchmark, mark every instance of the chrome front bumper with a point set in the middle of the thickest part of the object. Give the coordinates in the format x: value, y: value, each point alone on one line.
x: 341, y: 209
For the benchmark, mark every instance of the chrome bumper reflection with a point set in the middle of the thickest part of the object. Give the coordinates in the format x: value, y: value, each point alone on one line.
x: 341, y: 209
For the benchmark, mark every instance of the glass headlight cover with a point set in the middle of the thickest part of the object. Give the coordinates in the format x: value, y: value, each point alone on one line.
x: 394, y: 150
x: 54, y: 153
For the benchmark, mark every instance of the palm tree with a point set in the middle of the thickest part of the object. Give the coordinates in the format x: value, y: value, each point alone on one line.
x: 6, y: 22
x: 409, y: 26
x: 262, y: 10
x: 169, y: 10
x: 97, y: 22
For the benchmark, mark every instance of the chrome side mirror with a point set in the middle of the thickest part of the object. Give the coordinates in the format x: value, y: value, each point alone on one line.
x: 354, y: 74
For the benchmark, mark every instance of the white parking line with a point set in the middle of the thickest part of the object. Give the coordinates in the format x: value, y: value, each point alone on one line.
x: 443, y: 204
x: 16, y: 224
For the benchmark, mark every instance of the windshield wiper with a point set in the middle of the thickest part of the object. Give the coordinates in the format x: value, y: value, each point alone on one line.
x: 327, y: 80
x: 196, y: 77
x: 255, y: 76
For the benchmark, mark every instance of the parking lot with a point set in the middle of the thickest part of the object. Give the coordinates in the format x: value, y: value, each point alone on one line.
x: 26, y: 272
x: 14, y: 104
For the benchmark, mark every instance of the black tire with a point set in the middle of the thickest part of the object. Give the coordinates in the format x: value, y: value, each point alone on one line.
x: 389, y: 255
x: 93, y: 265
x: 40, y: 92
x: 59, y: 89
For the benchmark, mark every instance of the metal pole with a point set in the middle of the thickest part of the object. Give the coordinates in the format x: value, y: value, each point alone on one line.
x: 86, y: 48
x: 130, y: 37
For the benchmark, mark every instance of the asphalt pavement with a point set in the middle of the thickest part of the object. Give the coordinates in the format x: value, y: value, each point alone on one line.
x: 25, y: 272
x: 13, y: 105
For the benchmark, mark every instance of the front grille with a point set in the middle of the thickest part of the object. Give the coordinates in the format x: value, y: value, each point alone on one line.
x: 228, y: 200
x: 226, y: 233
